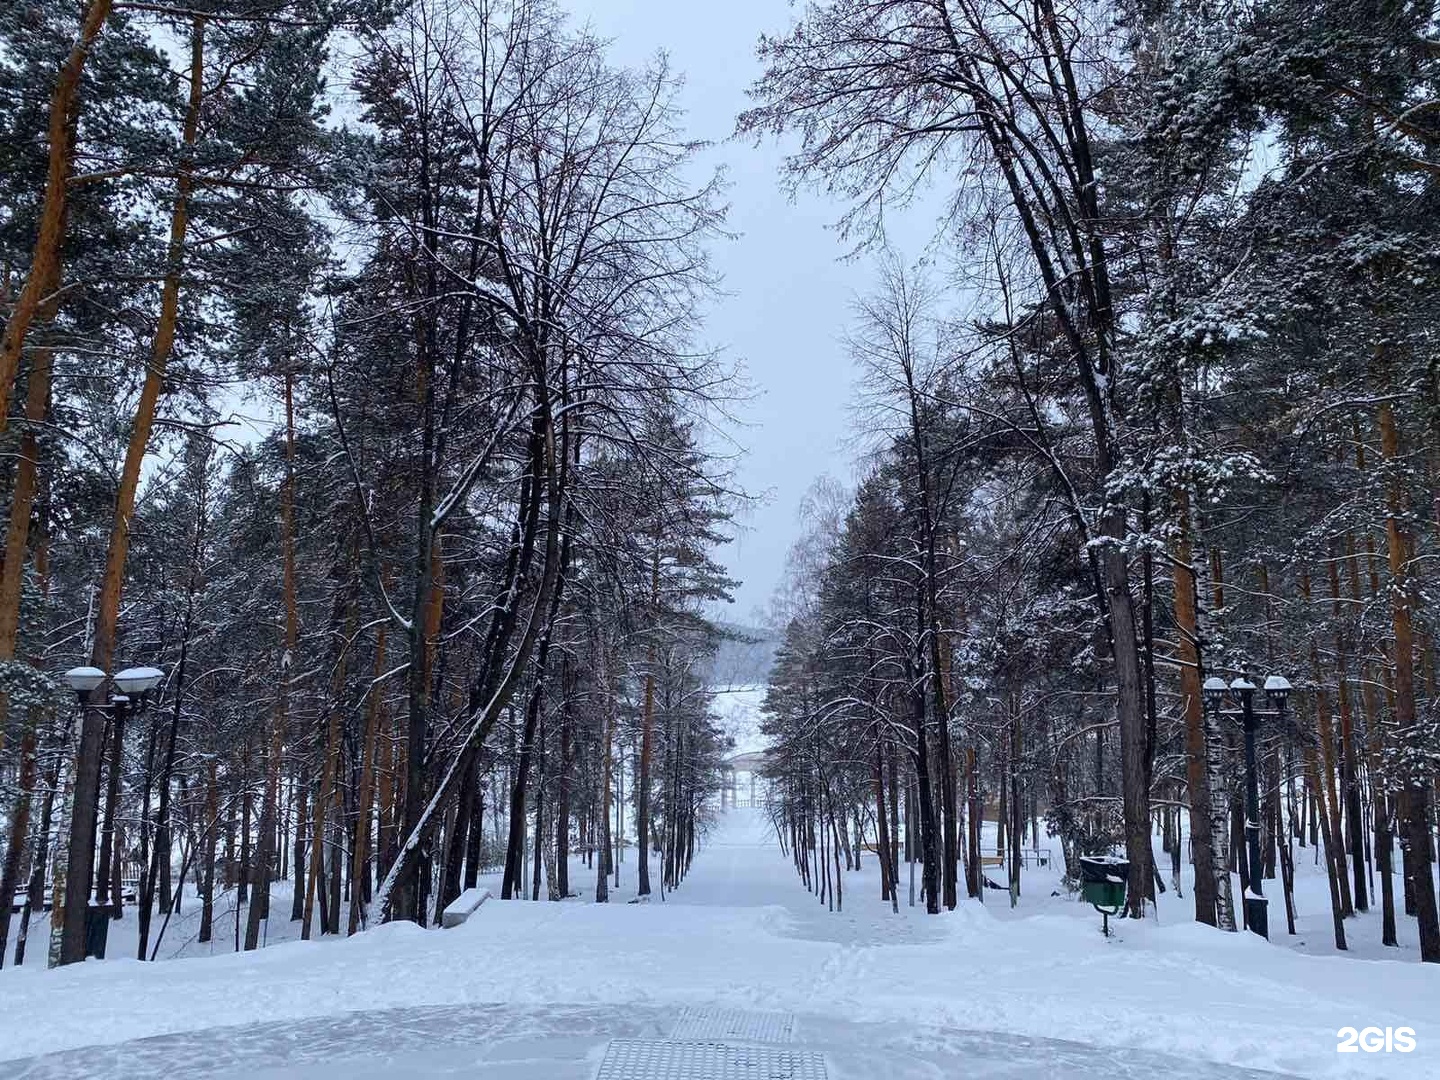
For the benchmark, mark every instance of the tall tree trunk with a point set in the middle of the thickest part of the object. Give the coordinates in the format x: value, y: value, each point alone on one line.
x: 1187, y: 654
x: 301, y: 783
x: 974, y: 869
x: 1130, y: 708
x: 1312, y: 776
x: 365, y: 797
x: 647, y: 723
x: 1016, y: 809
x: 385, y: 815
x: 1325, y: 732
x: 212, y: 827
x: 929, y: 834
x: 81, y: 841
x: 473, y: 843
x: 12, y: 574
x: 19, y: 830
x: 325, y: 795
x: 602, y: 816
x: 112, y: 805
x: 882, y: 830
x: 259, y: 871
x: 514, y: 869
x: 541, y: 845
x: 160, y: 857
x: 1219, y: 758
x: 562, y: 805
x: 41, y: 855
x: 1415, y: 803
x: 1349, y: 781
x: 1381, y: 810
x: 456, y: 845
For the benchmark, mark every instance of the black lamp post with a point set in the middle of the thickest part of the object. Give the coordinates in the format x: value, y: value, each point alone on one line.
x: 82, y: 928
x: 1277, y: 689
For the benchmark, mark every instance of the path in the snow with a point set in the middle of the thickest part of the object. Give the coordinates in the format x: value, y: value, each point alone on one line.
x: 741, y: 866
x: 736, y: 865
x: 738, y: 970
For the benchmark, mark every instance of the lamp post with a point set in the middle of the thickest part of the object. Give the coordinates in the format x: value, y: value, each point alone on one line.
x: 74, y: 931
x: 1277, y: 689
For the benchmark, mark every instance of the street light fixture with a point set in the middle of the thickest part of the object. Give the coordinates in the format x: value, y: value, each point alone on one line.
x: 83, y: 679
x: 138, y: 681
x: 1277, y: 690
x: 1214, y: 691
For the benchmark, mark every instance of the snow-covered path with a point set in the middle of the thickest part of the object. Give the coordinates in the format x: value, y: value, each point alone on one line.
x: 538, y: 989
x: 736, y: 865
x: 741, y: 866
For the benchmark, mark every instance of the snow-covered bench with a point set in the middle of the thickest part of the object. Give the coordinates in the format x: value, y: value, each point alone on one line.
x: 463, y: 906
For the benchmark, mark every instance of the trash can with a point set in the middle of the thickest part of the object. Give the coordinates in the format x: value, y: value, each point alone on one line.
x: 1102, y: 881
x: 97, y: 929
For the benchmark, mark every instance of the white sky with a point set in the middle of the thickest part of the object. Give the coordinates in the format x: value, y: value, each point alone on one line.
x: 789, y: 293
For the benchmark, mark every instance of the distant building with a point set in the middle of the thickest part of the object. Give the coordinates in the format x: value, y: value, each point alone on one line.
x: 743, y: 783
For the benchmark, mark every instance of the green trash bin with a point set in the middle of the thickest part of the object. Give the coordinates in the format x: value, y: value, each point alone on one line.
x: 1102, y: 880
x: 1102, y: 884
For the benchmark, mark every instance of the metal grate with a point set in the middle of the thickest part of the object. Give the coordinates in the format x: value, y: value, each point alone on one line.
x: 656, y: 1059
x: 735, y: 1024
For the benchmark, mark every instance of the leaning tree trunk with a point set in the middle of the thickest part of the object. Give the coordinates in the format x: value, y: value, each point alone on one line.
x: 44, y: 275
x: 487, y: 702
x: 22, y: 497
x: 161, y: 850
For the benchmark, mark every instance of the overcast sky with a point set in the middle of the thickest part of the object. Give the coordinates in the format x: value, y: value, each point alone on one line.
x: 789, y: 291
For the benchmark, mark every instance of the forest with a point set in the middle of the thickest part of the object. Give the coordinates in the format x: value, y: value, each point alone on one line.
x: 1160, y: 411
x: 450, y: 596
x: 366, y: 476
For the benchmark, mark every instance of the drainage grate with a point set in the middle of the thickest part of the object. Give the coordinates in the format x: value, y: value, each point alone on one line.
x: 735, y: 1024
x: 655, y: 1059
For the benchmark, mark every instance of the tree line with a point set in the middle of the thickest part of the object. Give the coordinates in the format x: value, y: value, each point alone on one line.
x: 352, y: 375
x: 1158, y: 404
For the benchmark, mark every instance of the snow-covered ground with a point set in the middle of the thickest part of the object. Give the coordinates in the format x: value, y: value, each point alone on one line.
x: 538, y: 989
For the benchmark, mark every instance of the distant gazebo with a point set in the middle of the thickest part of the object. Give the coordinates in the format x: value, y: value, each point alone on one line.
x: 750, y: 766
